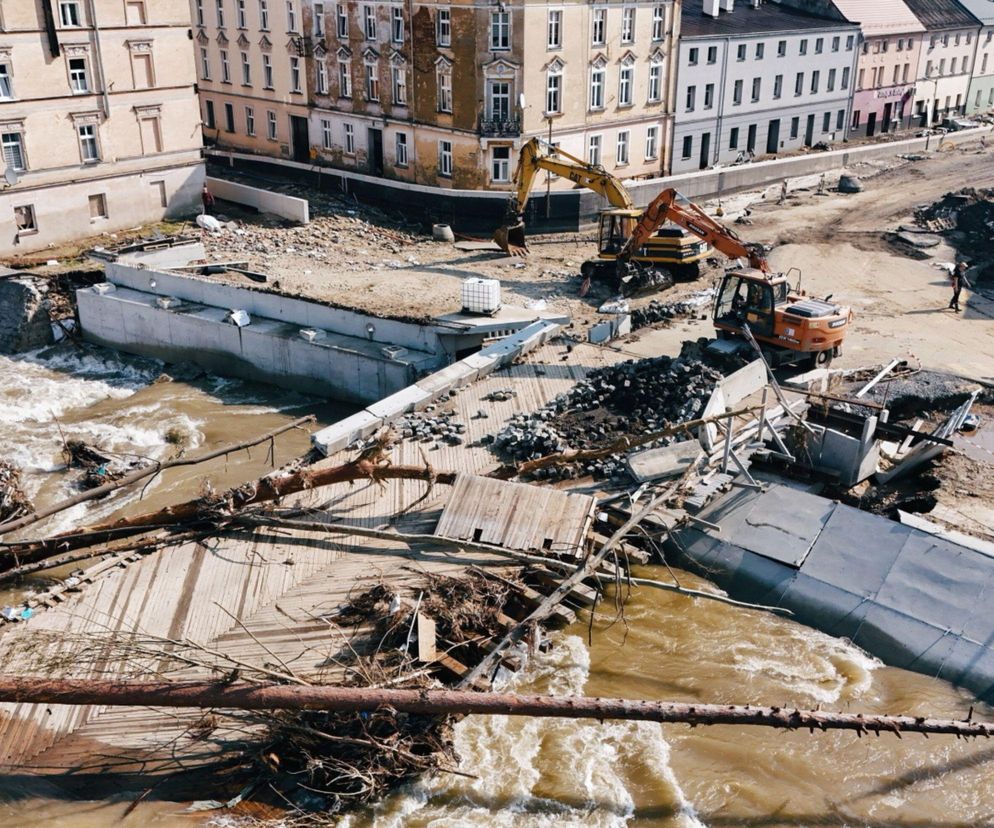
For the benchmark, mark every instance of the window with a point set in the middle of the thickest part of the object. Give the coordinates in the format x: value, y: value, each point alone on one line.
x: 326, y: 134
x: 444, y: 88
x: 344, y: 79
x: 756, y: 87
x: 760, y: 49
x: 443, y: 27
x: 692, y: 56
x: 831, y: 80
x: 445, y: 159
x: 372, y: 83
x: 658, y: 25
x: 397, y: 24
x: 321, y: 78
x: 291, y: 16
x: 712, y: 54
x: 709, y: 96
x: 500, y: 30
x: 369, y: 22
x: 781, y: 48
x: 859, y: 77
x: 343, y: 20
x: 267, y: 71
x: 205, y: 65
x: 691, y: 97
x: 225, y: 67
x: 264, y: 15
x: 628, y: 24
x: 596, y: 88
x: 815, y: 78
x: 88, y: 149
x: 499, y: 100
x: 500, y: 165
x: 956, y: 40
x: 928, y: 73
x: 897, y: 75
x: 69, y: 13
x: 399, y: 85
x: 804, y: 46
x: 737, y: 93
x: 594, y: 150
x: 655, y: 81
x: 349, y: 139
x: 855, y: 118
x: 688, y: 146
x: 598, y: 28
x: 850, y: 41
x: 621, y: 148
x: 553, y: 92
x: 98, y: 207
x: 200, y: 12
x: 740, y: 52
x: 78, y: 80
x: 246, y: 70
x: 826, y: 122
x: 795, y: 126
x: 249, y: 120
x: 733, y: 138
x: 271, y: 125
x: 220, y: 13
x: 295, y: 74
x: 651, y: 143
x: 900, y: 44
x: 151, y: 135
x: 836, y: 43
x: 319, y: 19
x: 778, y: 86
x: 554, y: 33
x: 400, y: 148
x: 24, y: 218
x: 799, y: 84
x: 625, y: 86
x: 240, y: 10
x: 840, y: 119
x: 942, y: 66
x: 229, y: 118
x: 819, y: 45
x: 952, y: 66
x: 209, y: 121
x: 845, y: 78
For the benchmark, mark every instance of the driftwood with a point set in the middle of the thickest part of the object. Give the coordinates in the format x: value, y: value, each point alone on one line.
x: 141, y: 474
x: 272, y: 696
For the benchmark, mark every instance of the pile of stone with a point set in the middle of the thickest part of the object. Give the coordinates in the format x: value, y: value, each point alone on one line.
x: 970, y: 212
x: 633, y: 398
x: 427, y: 426
x: 657, y: 312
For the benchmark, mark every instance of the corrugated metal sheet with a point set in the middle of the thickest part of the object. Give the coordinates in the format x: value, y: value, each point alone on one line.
x: 880, y: 17
x: 983, y: 10
x: 942, y: 14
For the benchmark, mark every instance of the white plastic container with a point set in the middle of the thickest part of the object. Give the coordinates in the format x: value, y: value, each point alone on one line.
x: 481, y: 296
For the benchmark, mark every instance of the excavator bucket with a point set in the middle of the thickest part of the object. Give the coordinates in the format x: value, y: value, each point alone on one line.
x: 511, y: 239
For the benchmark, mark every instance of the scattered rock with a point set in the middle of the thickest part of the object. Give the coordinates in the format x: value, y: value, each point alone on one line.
x: 850, y: 184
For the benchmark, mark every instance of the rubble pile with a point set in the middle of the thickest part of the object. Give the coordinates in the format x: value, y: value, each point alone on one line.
x: 428, y: 427
x: 656, y: 312
x: 632, y: 398
x: 969, y: 212
x: 13, y: 501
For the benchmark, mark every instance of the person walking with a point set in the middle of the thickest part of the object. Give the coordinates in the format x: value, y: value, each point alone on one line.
x: 959, y: 281
x: 207, y: 197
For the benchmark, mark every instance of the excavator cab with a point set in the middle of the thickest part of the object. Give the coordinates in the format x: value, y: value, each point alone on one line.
x: 616, y: 228
x: 749, y: 297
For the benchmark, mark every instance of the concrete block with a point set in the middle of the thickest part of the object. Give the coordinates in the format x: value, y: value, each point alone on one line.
x: 601, y: 332
x: 668, y: 461
x: 716, y: 405
x: 345, y: 432
x: 441, y: 382
x: 743, y: 383
x: 483, y: 363
x: 624, y: 324
x: 266, y: 201
x: 396, y: 405
x: 816, y: 380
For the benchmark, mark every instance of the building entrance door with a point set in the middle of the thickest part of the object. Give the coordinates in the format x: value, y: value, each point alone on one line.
x: 375, y: 138
x: 773, y: 137
x: 705, y: 150
x: 300, y: 141
x: 888, y: 114
x: 871, y: 124
x: 809, y: 131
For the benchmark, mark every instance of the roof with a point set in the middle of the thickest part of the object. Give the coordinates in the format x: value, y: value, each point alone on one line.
x: 746, y: 20
x: 983, y: 10
x: 942, y: 14
x: 880, y: 17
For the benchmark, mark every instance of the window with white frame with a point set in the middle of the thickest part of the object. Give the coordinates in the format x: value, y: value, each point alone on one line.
x: 598, y: 27
x: 396, y: 24
x: 291, y: 16
x: 499, y: 100
x: 594, y: 150
x: 271, y: 133
x: 651, y: 142
x: 399, y: 85
x: 344, y: 79
x: 554, y: 90
x: 658, y: 21
x: 6, y: 86
x: 708, y: 95
x: 249, y: 120
x: 319, y: 19
x: 737, y: 93
x: 500, y: 165
x: 443, y: 27
x: 777, y: 86
x: 349, y: 139
x: 554, y: 29
x: 830, y: 87
x: 229, y: 117
x: 225, y: 67
x: 500, y: 30
x: 219, y: 9
x: 267, y: 71
x: 444, y: 77
x: 264, y: 15
x: 326, y: 134
x: 200, y: 12
x: 70, y: 14
x: 757, y: 84
x: 88, y: 149
x: 691, y: 98
x: 372, y: 82
x: 845, y: 78
x: 322, y: 78
x: 628, y: 24
x: 24, y: 219
x: 78, y: 77
x: 596, y: 88
x: 343, y: 20
x: 621, y: 149
x: 295, y: 74
x: 369, y: 22
x: 205, y: 64
x: 246, y: 70
x: 625, y: 85
x: 445, y: 159
x: 400, y: 149
x: 240, y: 10
x: 655, y: 81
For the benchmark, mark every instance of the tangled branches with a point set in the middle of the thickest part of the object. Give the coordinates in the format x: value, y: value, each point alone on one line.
x: 13, y: 500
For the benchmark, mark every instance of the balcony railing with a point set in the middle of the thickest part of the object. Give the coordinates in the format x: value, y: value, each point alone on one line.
x: 500, y: 127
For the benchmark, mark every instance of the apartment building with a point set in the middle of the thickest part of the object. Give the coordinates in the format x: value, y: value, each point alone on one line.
x: 945, y: 63
x: 445, y: 94
x: 980, y: 97
x: 759, y: 79
x: 99, y: 124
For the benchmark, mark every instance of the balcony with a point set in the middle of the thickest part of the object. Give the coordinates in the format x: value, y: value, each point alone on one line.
x: 500, y: 127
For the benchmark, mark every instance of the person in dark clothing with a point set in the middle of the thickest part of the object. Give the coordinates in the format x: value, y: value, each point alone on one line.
x: 207, y: 197
x: 959, y: 281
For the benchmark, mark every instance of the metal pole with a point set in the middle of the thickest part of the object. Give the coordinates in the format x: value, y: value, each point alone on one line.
x: 548, y: 182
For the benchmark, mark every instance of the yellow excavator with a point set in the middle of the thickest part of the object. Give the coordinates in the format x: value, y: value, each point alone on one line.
x: 670, y: 250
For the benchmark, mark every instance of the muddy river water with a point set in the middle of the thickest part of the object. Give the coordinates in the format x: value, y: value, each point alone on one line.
x: 529, y: 772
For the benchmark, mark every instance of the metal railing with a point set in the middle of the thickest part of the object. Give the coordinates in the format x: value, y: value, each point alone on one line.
x: 510, y: 126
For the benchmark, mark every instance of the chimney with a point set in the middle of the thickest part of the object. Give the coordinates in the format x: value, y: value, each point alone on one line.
x: 711, y: 8
x: 727, y: 5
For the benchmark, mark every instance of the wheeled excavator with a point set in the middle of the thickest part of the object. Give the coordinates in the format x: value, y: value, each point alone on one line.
x: 788, y: 325
x: 668, y: 250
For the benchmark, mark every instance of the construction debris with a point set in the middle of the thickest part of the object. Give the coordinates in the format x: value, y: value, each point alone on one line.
x: 13, y: 500
x: 657, y: 312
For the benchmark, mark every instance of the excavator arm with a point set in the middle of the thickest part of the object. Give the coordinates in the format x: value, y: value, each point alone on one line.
x: 670, y: 205
x: 540, y: 155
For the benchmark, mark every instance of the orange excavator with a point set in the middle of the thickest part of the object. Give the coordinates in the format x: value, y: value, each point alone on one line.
x: 790, y: 326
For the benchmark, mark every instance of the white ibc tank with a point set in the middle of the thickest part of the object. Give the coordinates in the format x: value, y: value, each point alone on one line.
x: 481, y: 296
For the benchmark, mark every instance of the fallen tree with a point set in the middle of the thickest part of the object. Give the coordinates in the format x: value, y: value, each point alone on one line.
x: 272, y: 696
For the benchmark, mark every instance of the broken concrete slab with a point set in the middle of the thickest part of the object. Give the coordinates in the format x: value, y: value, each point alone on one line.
x: 667, y: 461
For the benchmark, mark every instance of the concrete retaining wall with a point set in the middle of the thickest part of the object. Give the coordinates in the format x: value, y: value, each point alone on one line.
x: 24, y: 322
x: 265, y: 201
